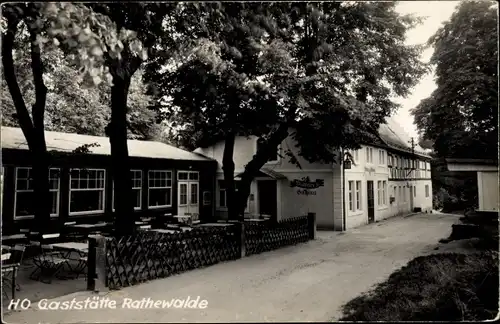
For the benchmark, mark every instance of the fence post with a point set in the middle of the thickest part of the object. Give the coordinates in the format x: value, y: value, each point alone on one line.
x: 311, y: 224
x: 91, y: 263
x: 240, y: 237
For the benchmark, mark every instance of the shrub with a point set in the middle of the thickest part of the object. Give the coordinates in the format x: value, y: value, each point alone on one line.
x: 439, y: 287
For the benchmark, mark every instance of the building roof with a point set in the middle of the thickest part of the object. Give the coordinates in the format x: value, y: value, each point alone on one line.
x: 266, y: 172
x: 395, y: 137
x: 13, y: 138
x: 473, y: 161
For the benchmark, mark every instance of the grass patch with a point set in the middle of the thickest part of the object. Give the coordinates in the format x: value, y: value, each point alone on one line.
x: 439, y: 287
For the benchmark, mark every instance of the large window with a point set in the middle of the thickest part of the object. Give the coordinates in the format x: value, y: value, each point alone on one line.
x: 160, y: 188
x: 24, y: 197
x: 136, y: 176
x: 274, y: 155
x: 86, y: 191
x: 351, y: 195
x: 358, y: 195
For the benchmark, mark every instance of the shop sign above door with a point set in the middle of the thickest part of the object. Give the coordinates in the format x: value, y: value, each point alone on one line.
x: 307, y: 185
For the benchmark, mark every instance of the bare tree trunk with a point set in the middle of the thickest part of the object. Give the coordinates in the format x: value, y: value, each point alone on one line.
x: 33, y: 130
x: 228, y: 168
x: 40, y: 155
x: 117, y: 132
x: 122, y: 72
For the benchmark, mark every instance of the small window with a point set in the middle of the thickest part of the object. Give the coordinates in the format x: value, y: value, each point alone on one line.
x: 426, y: 191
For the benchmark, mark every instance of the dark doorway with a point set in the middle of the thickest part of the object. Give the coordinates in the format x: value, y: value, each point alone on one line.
x: 268, y: 198
x: 371, y: 202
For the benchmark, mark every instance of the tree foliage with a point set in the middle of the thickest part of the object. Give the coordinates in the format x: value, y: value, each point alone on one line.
x: 461, y: 115
x: 325, y: 70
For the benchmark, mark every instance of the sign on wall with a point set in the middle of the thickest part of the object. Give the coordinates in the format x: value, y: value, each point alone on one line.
x: 207, y: 198
x: 308, y: 186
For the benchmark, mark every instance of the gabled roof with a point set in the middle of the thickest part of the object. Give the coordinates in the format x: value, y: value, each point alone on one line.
x: 395, y: 137
x: 13, y: 138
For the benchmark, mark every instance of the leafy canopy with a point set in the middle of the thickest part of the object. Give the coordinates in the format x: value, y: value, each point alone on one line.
x: 326, y: 70
x: 461, y: 115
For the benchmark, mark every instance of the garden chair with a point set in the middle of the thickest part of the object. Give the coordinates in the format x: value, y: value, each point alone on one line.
x: 10, y: 269
x: 48, y: 262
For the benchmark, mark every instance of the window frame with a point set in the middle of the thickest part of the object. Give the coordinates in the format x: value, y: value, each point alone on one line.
x: 58, y: 192
x: 384, y: 193
x: 379, y: 193
x: 103, y: 189
x: 167, y: 187
x: 133, y: 188
x: 359, y: 197
x: 351, y: 195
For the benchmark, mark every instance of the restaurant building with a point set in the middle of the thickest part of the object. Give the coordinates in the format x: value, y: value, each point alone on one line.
x: 388, y: 177
x: 166, y: 179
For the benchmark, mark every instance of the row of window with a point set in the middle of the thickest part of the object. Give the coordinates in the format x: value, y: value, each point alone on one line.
x: 391, y: 160
x: 87, y: 190
x: 355, y: 194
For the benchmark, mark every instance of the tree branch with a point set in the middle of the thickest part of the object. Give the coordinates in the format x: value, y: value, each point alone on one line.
x: 38, y: 110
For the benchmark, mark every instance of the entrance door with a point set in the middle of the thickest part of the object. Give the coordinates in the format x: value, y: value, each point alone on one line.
x: 268, y: 198
x: 371, y: 202
x: 188, y: 197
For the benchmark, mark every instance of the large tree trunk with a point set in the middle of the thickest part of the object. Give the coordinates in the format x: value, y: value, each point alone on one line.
x: 117, y: 132
x: 33, y: 130
x: 39, y: 150
x: 228, y: 168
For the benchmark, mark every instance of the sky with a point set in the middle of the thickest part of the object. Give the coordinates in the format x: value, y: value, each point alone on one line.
x: 436, y: 12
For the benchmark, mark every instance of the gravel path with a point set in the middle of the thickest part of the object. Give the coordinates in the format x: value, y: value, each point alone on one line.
x: 308, y: 282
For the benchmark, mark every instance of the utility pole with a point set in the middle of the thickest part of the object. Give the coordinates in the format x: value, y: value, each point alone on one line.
x: 412, y: 142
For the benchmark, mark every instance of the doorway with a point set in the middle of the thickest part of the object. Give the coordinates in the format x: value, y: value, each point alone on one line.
x: 371, y: 202
x: 268, y: 197
x: 188, y: 193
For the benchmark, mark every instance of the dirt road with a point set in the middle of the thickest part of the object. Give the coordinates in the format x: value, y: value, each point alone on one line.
x: 308, y: 282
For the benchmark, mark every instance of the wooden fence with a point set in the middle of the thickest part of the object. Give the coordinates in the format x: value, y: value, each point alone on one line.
x: 149, y: 255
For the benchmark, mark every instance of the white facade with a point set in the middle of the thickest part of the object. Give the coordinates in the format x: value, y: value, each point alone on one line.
x: 396, y: 188
x: 275, y: 186
x: 290, y: 201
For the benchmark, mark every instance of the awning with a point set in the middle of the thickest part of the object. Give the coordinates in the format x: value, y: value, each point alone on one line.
x: 265, y: 172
